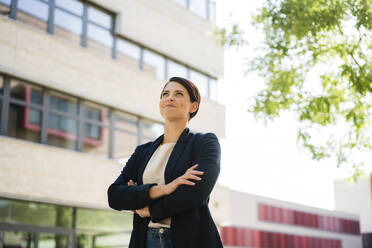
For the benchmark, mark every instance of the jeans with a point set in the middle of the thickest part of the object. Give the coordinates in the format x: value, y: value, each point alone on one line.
x: 158, y: 238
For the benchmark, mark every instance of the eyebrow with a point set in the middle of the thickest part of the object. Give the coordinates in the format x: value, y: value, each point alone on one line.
x: 175, y: 90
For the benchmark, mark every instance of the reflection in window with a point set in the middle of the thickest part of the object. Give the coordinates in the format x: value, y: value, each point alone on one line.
x: 101, y: 40
x: 18, y: 239
x: 156, y: 61
x: 176, y: 70
x: 99, y: 17
x: 52, y: 240
x: 25, y: 92
x: 73, y: 6
x: 1, y: 86
x: 24, y: 123
x: 62, y: 131
x: 33, y: 12
x: 201, y: 81
x: 128, y: 49
x: 63, y: 103
x: 40, y: 214
x: 213, y: 89
x: 126, y: 122
x: 199, y: 7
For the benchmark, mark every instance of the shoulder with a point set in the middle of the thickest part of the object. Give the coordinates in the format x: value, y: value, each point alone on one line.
x: 202, y: 138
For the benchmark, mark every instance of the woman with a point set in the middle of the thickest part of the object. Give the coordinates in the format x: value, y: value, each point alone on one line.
x: 167, y: 182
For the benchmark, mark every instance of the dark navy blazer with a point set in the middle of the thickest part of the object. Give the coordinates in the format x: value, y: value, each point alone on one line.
x: 191, y: 223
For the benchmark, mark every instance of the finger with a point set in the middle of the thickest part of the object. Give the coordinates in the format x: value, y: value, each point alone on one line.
x: 187, y: 182
x: 193, y: 177
x: 196, y: 172
x: 193, y: 167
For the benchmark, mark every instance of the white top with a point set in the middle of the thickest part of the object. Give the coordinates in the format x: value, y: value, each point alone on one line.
x: 154, y: 173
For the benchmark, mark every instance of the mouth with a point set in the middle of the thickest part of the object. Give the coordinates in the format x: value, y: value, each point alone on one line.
x: 169, y: 105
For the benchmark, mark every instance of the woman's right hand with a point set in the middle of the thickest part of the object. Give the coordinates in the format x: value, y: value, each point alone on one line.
x: 190, y: 174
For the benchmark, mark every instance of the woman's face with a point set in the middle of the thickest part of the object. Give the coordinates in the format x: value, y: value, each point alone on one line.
x: 175, y: 102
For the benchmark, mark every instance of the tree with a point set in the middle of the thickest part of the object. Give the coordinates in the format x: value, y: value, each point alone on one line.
x: 329, y: 39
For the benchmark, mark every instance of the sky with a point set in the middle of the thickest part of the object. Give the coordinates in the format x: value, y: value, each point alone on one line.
x: 263, y: 160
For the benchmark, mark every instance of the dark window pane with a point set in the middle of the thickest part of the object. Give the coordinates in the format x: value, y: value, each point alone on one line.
x: 96, y: 140
x: 63, y: 103
x: 52, y: 240
x: 155, y: 62
x: 99, y: 17
x: 74, y: 6
x: 19, y: 239
x: 33, y: 12
x: 29, y: 213
x: 62, y: 131
x: 199, y: 7
x: 24, y: 123
x: 68, y: 22
x: 25, y: 92
x: 1, y: 107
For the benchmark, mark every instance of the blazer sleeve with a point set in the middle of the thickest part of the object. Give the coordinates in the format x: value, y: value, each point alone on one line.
x: 124, y: 197
x: 185, y: 198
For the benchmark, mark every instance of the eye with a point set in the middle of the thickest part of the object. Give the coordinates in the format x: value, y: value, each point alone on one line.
x: 164, y: 93
x: 179, y: 93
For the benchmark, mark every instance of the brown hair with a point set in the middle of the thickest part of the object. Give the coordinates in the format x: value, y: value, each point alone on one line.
x: 191, y: 89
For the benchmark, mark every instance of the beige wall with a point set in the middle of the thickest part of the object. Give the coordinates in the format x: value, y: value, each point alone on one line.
x: 178, y: 32
x: 44, y: 173
x: 48, y: 60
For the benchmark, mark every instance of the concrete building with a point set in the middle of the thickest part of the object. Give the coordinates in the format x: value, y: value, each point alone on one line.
x: 248, y: 220
x: 80, y: 82
x: 357, y: 198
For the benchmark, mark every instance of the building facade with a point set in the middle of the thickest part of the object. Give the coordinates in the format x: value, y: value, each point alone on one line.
x: 357, y: 198
x: 80, y: 82
x: 248, y: 220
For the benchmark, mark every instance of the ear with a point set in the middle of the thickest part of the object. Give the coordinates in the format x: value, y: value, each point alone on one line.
x: 194, y: 107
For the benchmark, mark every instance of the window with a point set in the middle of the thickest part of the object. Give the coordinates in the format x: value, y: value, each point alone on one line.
x: 212, y: 10
x: 176, y: 70
x: 33, y: 12
x: 68, y: 20
x: 183, y: 3
x: 4, y: 7
x: 157, y: 62
x: 213, y: 89
x: 128, y: 51
x: 62, y: 121
x: 96, y: 132
x: 201, y: 81
x: 151, y: 130
x: 100, y: 31
x: 199, y: 7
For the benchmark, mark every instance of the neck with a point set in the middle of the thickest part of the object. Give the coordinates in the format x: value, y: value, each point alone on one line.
x: 173, y: 130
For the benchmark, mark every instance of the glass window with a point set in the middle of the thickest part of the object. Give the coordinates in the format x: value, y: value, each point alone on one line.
x: 213, y: 89
x: 26, y: 92
x: 62, y: 131
x: 73, y: 6
x: 52, y: 240
x: 128, y: 49
x: 156, y: 61
x: 4, y: 7
x: 24, y: 123
x: 99, y: 17
x: 151, y: 129
x: 124, y: 145
x: 96, y: 136
x: 201, y: 81
x: 63, y: 103
x: 35, y: 8
x: 126, y: 121
x: 100, y: 35
x: 176, y: 70
x: 212, y: 11
x: 68, y: 22
x: 199, y: 7
x: 18, y: 239
x: 1, y: 86
x: 183, y: 3
x: 29, y: 213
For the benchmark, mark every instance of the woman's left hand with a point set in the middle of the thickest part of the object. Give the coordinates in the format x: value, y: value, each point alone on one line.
x: 143, y: 212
